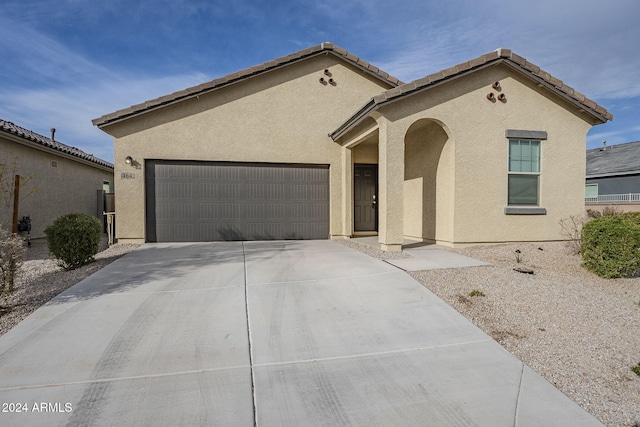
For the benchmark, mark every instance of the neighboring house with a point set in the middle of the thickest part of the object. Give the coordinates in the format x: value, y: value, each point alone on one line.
x: 65, y: 179
x: 613, y: 177
x: 322, y: 144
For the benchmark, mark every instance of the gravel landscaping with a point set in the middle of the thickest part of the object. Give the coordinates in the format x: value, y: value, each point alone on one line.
x: 580, y: 332
x: 40, y: 279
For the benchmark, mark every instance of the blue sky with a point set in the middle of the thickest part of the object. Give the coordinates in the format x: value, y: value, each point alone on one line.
x: 66, y: 62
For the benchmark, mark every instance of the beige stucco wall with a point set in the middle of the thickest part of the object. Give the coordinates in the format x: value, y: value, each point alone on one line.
x: 477, y: 127
x: 366, y: 153
x: 283, y: 116
x: 429, y: 177
x: 70, y: 187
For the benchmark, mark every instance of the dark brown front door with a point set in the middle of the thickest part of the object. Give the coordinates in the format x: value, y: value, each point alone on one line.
x: 365, y: 202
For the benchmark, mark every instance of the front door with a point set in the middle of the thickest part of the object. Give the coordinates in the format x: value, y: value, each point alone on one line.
x: 365, y: 202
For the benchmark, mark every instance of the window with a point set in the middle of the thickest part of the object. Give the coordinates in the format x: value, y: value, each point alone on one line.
x: 524, y: 172
x: 591, y: 191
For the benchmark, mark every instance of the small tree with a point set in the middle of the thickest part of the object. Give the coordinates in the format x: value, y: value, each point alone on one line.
x: 74, y: 239
x: 8, y: 172
x: 571, y: 229
x: 11, y: 253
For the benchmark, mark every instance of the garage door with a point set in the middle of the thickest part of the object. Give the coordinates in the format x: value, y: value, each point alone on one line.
x: 207, y: 201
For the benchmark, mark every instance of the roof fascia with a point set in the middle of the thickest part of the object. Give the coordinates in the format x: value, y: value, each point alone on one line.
x: 241, y: 78
x: 543, y: 83
x: 52, y: 151
x: 613, y: 174
x: 374, y: 105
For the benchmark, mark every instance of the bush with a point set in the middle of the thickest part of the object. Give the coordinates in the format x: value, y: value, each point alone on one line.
x: 11, y: 253
x: 606, y: 211
x: 74, y: 239
x: 611, y: 245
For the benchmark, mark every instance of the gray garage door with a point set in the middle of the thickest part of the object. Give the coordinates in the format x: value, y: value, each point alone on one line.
x: 210, y: 201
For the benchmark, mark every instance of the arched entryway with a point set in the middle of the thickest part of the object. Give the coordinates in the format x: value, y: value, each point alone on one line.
x: 429, y: 173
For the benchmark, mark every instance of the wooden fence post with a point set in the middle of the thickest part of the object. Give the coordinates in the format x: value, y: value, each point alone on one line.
x: 16, y: 203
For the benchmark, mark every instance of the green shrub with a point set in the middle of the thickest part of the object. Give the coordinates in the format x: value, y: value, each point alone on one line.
x: 611, y: 245
x: 632, y: 216
x: 74, y: 239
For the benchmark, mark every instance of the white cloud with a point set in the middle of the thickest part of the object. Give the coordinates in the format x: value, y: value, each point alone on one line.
x: 70, y: 109
x: 590, y: 46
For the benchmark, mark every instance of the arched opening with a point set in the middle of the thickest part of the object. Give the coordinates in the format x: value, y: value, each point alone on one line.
x: 428, y: 182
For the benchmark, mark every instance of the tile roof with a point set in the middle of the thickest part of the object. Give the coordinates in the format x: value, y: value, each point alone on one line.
x: 619, y: 159
x: 499, y: 55
x: 245, y: 74
x: 23, y: 133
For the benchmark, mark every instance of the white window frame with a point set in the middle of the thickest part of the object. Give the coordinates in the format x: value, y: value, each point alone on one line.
x: 525, y: 135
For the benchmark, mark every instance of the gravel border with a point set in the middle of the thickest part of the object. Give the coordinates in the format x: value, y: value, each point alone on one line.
x: 577, y: 330
x: 40, y: 279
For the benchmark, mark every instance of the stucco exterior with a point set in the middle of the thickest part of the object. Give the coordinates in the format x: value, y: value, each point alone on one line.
x: 63, y: 183
x: 281, y: 117
x: 440, y: 144
x: 470, y: 170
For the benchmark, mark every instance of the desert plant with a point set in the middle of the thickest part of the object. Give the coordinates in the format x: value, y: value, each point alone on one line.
x: 606, y: 211
x: 571, y: 230
x: 518, y: 254
x: 611, y: 245
x: 11, y: 253
x: 74, y: 239
x: 636, y: 369
x: 476, y: 293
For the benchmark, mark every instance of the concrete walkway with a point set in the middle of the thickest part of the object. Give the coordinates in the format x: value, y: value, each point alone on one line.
x: 424, y: 256
x: 267, y: 333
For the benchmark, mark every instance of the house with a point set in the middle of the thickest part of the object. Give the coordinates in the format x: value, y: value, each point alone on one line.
x: 56, y: 179
x: 613, y: 177
x: 322, y: 144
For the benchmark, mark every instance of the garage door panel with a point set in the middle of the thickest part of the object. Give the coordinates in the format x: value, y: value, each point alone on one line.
x: 207, y: 201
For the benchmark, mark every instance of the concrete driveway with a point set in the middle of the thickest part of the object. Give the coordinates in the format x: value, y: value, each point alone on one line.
x: 295, y: 333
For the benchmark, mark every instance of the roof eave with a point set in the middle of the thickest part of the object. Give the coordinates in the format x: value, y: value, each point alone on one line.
x: 383, y: 100
x: 447, y: 76
x: 101, y: 164
x: 611, y: 174
x: 540, y: 81
x: 242, y: 75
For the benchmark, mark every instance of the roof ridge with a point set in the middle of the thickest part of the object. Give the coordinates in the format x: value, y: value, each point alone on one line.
x: 507, y: 54
x: 500, y: 54
x: 12, y: 128
x: 244, y: 74
x: 620, y: 145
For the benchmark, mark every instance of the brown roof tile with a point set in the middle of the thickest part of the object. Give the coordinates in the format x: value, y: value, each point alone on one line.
x: 577, y: 95
x: 497, y: 55
x: 243, y: 74
x: 556, y: 82
x: 26, y: 134
x: 518, y: 59
x: 531, y: 67
x: 451, y: 71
